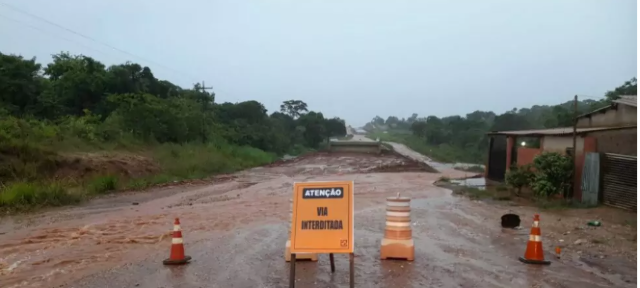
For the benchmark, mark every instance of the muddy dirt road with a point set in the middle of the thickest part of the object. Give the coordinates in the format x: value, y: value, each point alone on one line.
x: 235, y: 228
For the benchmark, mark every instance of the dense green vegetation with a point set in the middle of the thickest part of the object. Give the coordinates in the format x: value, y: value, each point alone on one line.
x: 57, y: 117
x: 548, y: 175
x: 463, y: 138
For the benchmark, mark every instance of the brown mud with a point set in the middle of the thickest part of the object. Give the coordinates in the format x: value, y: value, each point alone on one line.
x: 82, y: 165
x: 235, y: 229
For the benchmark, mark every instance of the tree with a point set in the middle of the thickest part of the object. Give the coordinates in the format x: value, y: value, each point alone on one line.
x: 20, y: 84
x: 77, y: 83
x: 98, y: 103
x: 553, y: 173
x: 335, y: 127
x: 378, y: 120
x: 313, y: 125
x: 628, y: 88
x: 413, y: 118
x: 293, y: 108
x: 464, y: 138
x: 419, y: 128
x: 511, y: 121
x: 392, y: 121
x: 519, y: 177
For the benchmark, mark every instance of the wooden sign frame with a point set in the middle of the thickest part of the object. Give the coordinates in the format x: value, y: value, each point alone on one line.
x: 322, y: 222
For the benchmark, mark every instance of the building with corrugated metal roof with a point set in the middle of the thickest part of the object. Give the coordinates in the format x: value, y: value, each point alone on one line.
x: 610, y: 132
x: 621, y: 112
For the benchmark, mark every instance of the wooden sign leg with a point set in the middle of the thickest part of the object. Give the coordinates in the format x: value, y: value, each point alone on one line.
x: 351, y: 271
x: 292, y: 273
x: 333, y: 265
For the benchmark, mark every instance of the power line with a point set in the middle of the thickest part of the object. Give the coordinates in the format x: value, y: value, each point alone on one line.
x: 51, y: 35
x: 92, y: 39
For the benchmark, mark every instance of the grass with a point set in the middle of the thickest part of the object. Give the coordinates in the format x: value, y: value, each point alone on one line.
x: 502, y: 193
x: 299, y: 150
x: 475, y: 193
x: 442, y: 153
x: 34, y: 186
x: 484, y: 194
x: 149, y: 181
x: 45, y: 163
x: 29, y: 195
x: 560, y: 204
x: 502, y: 188
x: 193, y: 161
x: 103, y: 184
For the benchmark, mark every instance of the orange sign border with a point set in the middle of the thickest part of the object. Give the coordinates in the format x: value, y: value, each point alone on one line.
x: 349, y: 193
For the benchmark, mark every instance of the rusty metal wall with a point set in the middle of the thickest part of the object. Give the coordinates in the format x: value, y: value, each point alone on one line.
x: 617, y: 115
x: 590, y: 185
x: 624, y: 141
x: 619, y: 181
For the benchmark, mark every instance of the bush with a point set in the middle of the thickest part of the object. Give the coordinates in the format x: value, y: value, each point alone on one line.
x: 519, y: 177
x: 194, y: 160
x: 442, y: 153
x: 77, y: 104
x: 103, y: 184
x: 553, y: 174
x: 23, y: 195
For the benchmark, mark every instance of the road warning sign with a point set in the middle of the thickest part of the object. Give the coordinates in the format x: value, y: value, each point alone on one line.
x: 322, y: 219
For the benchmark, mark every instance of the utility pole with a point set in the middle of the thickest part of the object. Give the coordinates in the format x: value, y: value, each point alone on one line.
x: 204, y: 105
x: 576, y: 182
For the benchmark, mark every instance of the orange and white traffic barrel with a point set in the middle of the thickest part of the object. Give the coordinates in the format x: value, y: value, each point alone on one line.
x: 398, y: 238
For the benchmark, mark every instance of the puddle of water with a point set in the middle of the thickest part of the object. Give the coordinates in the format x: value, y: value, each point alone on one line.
x: 479, y: 183
x: 443, y: 166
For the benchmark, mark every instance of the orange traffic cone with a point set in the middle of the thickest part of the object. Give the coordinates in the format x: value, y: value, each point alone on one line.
x: 177, y: 256
x: 534, y: 253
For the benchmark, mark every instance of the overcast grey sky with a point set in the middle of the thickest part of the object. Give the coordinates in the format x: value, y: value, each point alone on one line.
x: 352, y: 59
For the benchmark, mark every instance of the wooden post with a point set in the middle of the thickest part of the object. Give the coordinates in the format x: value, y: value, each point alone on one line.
x: 351, y: 271
x: 573, y: 155
x: 333, y: 264
x: 292, y: 273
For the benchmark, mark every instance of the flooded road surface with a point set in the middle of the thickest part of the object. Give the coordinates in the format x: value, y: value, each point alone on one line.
x: 235, y: 228
x: 404, y: 150
x: 442, y: 167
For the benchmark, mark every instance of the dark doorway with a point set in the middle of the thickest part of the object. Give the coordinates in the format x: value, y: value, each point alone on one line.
x: 514, y: 152
x: 497, y: 158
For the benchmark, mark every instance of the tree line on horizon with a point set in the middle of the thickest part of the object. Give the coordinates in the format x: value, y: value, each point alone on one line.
x: 464, y: 137
x: 83, y: 97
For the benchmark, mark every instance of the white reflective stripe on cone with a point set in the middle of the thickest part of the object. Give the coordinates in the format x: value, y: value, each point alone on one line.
x: 176, y: 241
x: 399, y: 224
x: 536, y: 224
x: 535, y: 238
x: 398, y: 204
x: 398, y: 214
x: 176, y: 227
